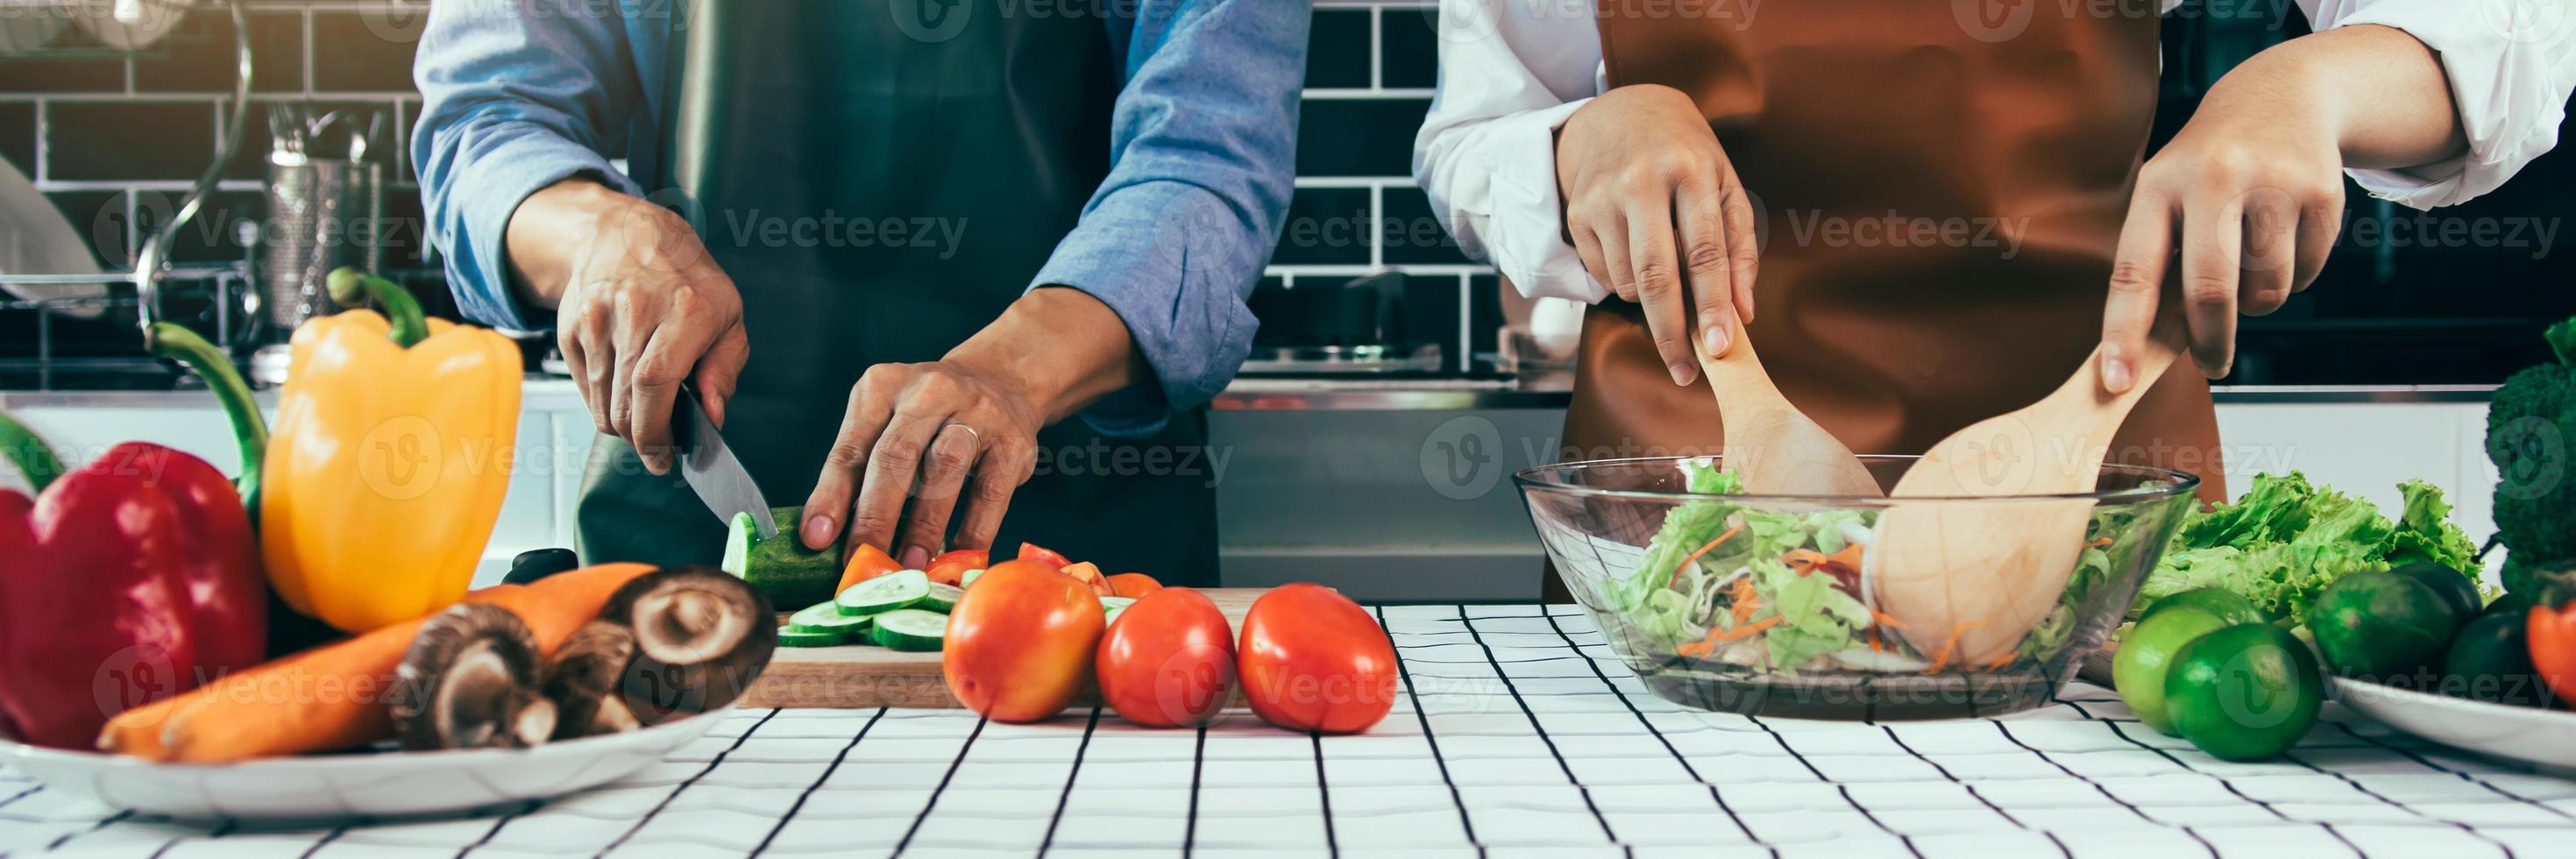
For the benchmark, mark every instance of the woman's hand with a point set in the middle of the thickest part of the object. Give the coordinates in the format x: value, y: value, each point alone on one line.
x: 2251, y: 189
x: 1655, y: 210
x: 639, y: 308
x: 919, y: 439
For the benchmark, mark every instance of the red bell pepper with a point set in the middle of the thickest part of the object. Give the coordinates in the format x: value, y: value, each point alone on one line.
x: 130, y: 579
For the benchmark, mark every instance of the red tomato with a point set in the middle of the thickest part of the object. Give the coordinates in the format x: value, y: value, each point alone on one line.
x: 950, y: 567
x: 866, y: 562
x: 1312, y: 660
x: 1168, y: 661
x: 1042, y: 554
x: 1089, y: 575
x: 1020, y: 643
x: 1135, y: 585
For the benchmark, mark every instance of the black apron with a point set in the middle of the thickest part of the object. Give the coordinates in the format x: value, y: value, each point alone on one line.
x: 881, y: 178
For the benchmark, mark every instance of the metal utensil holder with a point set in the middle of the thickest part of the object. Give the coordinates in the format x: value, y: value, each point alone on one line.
x: 321, y: 214
x: 152, y: 262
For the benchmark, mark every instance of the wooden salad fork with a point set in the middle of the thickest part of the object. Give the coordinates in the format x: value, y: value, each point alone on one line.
x: 1774, y: 447
x: 1967, y: 581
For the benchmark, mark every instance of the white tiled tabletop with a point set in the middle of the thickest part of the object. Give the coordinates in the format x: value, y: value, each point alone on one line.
x: 1519, y: 734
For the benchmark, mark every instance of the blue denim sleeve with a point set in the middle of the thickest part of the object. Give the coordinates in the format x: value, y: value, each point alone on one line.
x: 1202, y: 146
x: 517, y: 95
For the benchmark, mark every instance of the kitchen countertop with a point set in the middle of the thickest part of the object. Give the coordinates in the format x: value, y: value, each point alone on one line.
x: 1518, y: 732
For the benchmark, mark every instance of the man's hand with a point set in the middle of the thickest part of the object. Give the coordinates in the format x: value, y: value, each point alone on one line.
x: 640, y: 308
x: 1655, y: 211
x: 919, y: 439
x: 2252, y: 187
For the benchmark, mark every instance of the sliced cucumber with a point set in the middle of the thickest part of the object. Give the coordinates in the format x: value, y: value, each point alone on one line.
x: 942, y: 597
x: 1113, y: 605
x: 789, y: 636
x: 910, y: 629
x: 739, y: 535
x: 827, y: 617
x: 969, y: 577
x: 898, y: 589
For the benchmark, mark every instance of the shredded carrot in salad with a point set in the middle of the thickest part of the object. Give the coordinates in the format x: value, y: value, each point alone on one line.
x: 1693, y: 557
x: 1950, y: 647
x: 1745, y: 601
x: 1717, y: 636
x: 2098, y: 542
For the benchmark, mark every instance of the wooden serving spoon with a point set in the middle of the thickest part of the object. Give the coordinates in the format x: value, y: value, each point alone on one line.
x: 1769, y: 443
x: 1967, y: 581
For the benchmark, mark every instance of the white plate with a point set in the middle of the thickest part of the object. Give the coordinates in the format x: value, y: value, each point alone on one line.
x: 35, y: 238
x: 329, y: 787
x: 2543, y: 738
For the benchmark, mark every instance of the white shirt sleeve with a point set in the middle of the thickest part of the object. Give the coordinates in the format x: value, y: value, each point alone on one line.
x: 1511, y: 71
x: 2511, y: 64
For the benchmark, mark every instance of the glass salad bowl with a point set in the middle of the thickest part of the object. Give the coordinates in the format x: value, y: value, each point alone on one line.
x: 1773, y: 605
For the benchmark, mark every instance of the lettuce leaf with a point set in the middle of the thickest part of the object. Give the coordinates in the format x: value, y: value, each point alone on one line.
x: 2425, y: 531
x: 2285, y: 539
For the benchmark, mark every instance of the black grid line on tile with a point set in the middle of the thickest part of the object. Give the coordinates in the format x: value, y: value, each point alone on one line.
x: 2293, y: 757
x: 1072, y: 773
x: 2008, y: 817
x: 1324, y: 795
x: 2006, y: 729
x: 2224, y: 783
x: 1536, y: 726
x: 1198, y: 763
x: 963, y: 749
x: 712, y: 763
x: 834, y: 766
x: 2428, y: 762
x: 1404, y: 670
x: 1684, y: 760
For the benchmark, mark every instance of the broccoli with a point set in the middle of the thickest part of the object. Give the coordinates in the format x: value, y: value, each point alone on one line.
x: 2531, y: 425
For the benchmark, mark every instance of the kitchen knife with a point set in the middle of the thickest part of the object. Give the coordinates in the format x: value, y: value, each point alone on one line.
x: 711, y: 469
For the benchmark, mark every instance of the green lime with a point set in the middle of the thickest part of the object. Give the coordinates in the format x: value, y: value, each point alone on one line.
x: 2456, y: 589
x: 2244, y: 693
x: 2226, y: 604
x: 2491, y: 661
x: 2146, y: 655
x: 2382, y: 626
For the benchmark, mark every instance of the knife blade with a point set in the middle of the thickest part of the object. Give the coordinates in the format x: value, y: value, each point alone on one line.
x: 711, y: 469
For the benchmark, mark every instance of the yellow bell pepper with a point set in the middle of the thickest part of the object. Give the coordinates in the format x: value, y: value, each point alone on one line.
x: 391, y: 452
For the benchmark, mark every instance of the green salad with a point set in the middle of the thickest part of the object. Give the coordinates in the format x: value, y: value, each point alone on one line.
x: 1783, y: 591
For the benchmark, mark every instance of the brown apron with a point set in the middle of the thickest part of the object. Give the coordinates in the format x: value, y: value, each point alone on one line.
x: 1941, y: 186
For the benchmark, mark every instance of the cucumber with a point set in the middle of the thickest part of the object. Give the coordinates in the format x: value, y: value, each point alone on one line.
x: 1113, y: 605
x: 737, y: 552
x: 898, y: 589
x: 969, y: 577
x: 910, y: 629
x: 827, y: 617
x: 942, y: 597
x: 789, y: 636
x: 782, y: 568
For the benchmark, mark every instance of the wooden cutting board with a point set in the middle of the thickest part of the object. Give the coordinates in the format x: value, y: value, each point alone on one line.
x: 868, y: 676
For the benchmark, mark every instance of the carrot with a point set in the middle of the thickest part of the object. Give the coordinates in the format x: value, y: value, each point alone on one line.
x: 866, y: 562
x: 333, y: 696
x: 1703, y: 646
x: 1133, y: 584
x: 1950, y: 647
x: 1884, y: 619
x: 1693, y: 557
x: 2098, y: 542
x: 1803, y: 559
x: 1745, y: 601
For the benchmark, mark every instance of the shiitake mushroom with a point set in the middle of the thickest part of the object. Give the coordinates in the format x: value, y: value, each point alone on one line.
x: 470, y: 681
x: 583, y: 681
x: 702, y: 635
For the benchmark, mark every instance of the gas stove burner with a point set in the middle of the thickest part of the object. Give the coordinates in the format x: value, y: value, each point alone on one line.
x: 1361, y: 359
